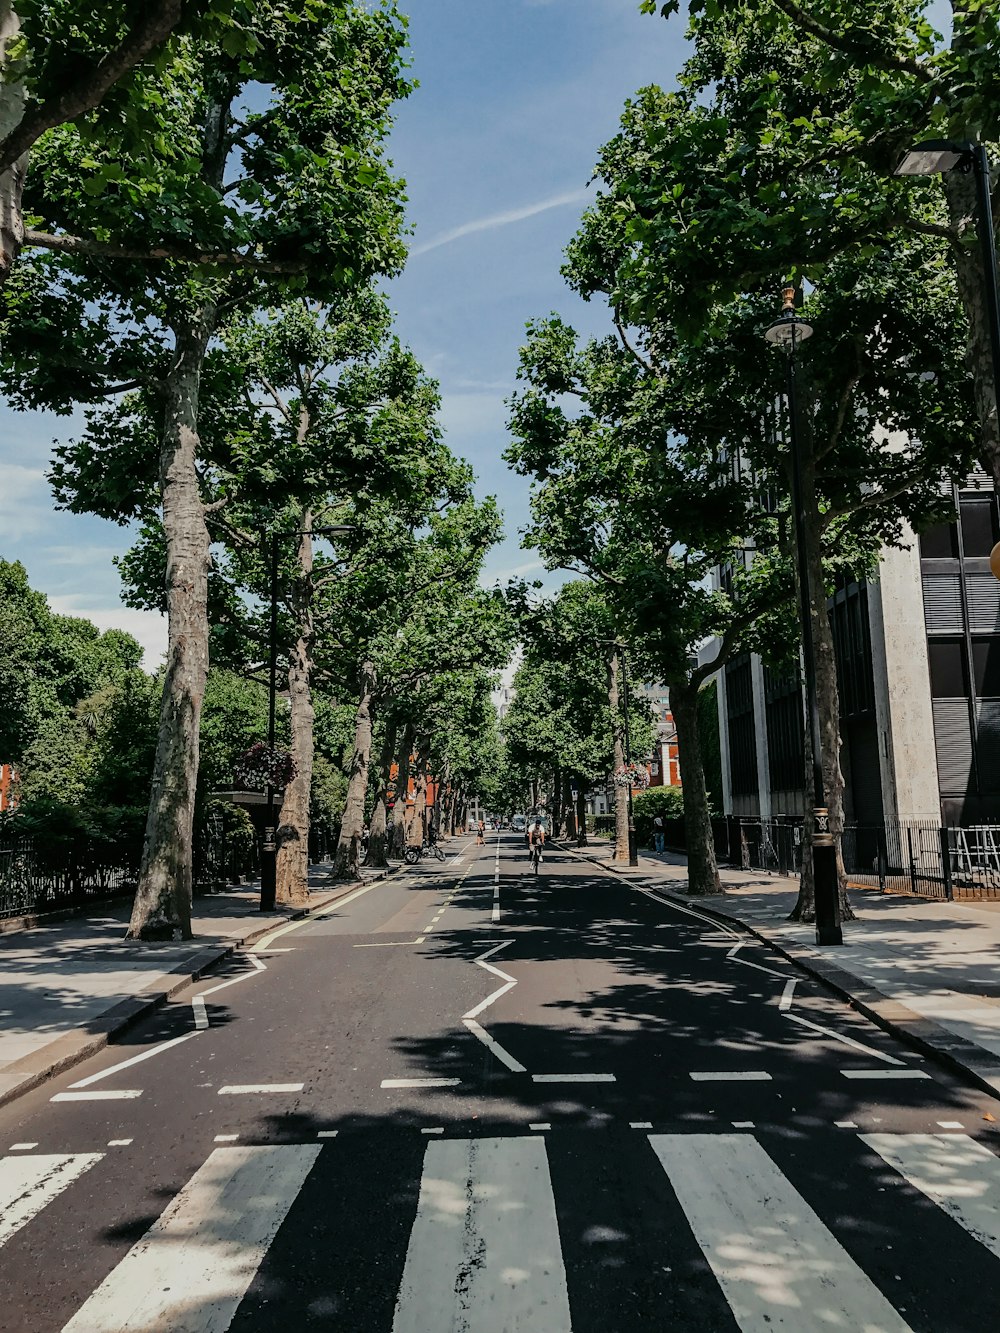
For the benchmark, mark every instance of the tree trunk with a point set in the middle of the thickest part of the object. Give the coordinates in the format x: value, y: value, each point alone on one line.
x: 11, y: 114
x: 378, y: 842
x: 621, y: 793
x: 162, y: 908
x: 416, y: 829
x: 347, y: 863
x: 581, y: 818
x: 292, y: 875
x: 960, y: 194
x: 703, y: 873
x: 828, y: 699
x: 398, y: 840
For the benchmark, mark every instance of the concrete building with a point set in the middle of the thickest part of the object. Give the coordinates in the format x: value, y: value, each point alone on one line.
x: 918, y: 661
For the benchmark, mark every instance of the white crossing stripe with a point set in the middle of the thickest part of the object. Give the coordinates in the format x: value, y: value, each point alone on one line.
x: 98, y: 1096
x: 193, y: 1266
x: 484, y: 1252
x: 239, y: 1089
x: 420, y: 1082
x: 27, y: 1184
x: 731, y: 1076
x: 959, y: 1174
x: 778, y: 1265
x: 573, y: 1078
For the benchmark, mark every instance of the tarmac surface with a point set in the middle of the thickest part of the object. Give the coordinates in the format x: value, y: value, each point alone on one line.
x: 469, y: 1098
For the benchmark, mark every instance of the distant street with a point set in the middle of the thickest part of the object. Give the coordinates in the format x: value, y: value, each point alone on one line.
x: 469, y: 1099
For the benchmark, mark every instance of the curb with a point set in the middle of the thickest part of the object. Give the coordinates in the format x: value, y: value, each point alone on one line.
x: 946, y: 1048
x: 73, y: 1047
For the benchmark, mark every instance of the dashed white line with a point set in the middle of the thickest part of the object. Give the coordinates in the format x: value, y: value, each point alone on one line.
x: 98, y: 1096
x: 434, y: 1129
x: 200, y: 1012
x: 950, y: 1124
x: 225, y: 1138
x: 731, y: 1076
x: 119, y: 1143
x: 327, y: 1133
x: 573, y: 1078
x: 420, y: 1083
x: 785, y: 1000
x: 241, y: 1089
x: 640, y: 1124
x: 22, y: 1147
x: 845, y: 1124
x: 541, y: 1125
x: 742, y: 1124
x: 884, y: 1073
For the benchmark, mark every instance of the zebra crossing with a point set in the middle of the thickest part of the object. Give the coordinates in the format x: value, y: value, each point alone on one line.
x: 506, y: 1233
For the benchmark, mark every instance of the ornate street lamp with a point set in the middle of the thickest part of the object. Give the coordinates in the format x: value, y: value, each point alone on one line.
x: 787, y: 331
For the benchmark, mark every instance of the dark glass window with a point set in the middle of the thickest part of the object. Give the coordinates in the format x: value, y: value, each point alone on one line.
x: 979, y: 525
x: 986, y: 664
x: 949, y: 675
x: 940, y: 542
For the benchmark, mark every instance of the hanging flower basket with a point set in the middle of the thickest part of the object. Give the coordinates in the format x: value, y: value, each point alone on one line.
x: 260, y: 768
x: 631, y: 775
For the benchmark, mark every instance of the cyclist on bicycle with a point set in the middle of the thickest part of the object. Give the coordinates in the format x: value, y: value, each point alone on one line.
x: 536, y: 839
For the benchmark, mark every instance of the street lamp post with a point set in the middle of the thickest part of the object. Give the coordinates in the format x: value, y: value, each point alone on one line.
x: 786, y: 332
x: 633, y: 850
x: 933, y: 158
x: 269, y: 843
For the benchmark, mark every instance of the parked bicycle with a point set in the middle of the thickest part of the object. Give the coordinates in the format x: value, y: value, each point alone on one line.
x: 413, y: 854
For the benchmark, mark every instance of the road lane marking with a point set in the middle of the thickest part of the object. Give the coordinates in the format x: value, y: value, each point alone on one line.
x: 435, y: 1129
x: 225, y: 1138
x: 541, y: 1125
x: 200, y: 1012
x: 420, y: 1083
x: 133, y: 1060
x: 776, y: 1262
x: 22, y: 1147
x: 731, y: 1076
x: 349, y: 898
x: 484, y: 1251
x: 785, y: 1000
x: 119, y: 1143
x: 573, y: 1078
x: 502, y: 1055
x: 958, y: 1174
x: 101, y: 1095
x: 640, y: 1124
x: 845, y: 1040
x: 884, y: 1073
x: 845, y: 1124
x: 239, y: 1089
x: 327, y: 1133
x: 390, y: 944
x: 485, y: 1004
x: 27, y: 1184
x: 951, y: 1124
x: 193, y: 1266
x: 742, y: 1124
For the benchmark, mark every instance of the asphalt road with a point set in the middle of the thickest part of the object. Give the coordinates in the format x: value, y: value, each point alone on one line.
x: 468, y: 1099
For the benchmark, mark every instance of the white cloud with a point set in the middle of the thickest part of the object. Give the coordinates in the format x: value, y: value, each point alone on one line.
x: 504, y: 219
x: 149, y: 627
x: 25, y: 505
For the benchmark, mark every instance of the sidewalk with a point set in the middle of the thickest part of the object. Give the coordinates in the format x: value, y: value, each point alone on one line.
x: 67, y: 988
x: 922, y: 969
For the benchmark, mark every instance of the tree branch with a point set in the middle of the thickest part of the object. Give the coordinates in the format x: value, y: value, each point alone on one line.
x: 82, y: 245
x: 874, y: 55
x: 635, y: 355
x: 90, y: 88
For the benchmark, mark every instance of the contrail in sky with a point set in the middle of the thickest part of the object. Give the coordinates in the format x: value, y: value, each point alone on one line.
x: 500, y: 220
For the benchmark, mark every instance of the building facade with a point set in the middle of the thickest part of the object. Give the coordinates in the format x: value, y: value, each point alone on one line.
x: 918, y: 665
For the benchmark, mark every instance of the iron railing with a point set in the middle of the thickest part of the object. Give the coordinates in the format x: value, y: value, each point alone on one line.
x: 34, y: 880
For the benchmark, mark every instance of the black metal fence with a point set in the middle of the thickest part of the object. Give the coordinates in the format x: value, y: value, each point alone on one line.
x: 36, y: 879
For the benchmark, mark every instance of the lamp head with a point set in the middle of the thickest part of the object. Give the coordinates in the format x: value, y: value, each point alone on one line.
x: 932, y: 157
x: 788, y: 329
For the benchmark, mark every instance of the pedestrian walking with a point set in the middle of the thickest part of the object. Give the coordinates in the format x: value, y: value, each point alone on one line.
x: 480, y: 834
x: 658, y: 832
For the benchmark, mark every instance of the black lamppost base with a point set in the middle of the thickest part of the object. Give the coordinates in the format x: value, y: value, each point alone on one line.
x: 633, y: 850
x: 268, y: 872
x: 826, y: 889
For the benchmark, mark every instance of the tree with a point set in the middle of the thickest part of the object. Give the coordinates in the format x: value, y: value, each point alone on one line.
x: 58, y: 62
x: 308, y: 204
x: 799, y: 114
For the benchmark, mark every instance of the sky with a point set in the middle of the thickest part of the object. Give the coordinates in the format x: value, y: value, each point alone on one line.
x: 497, y: 146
